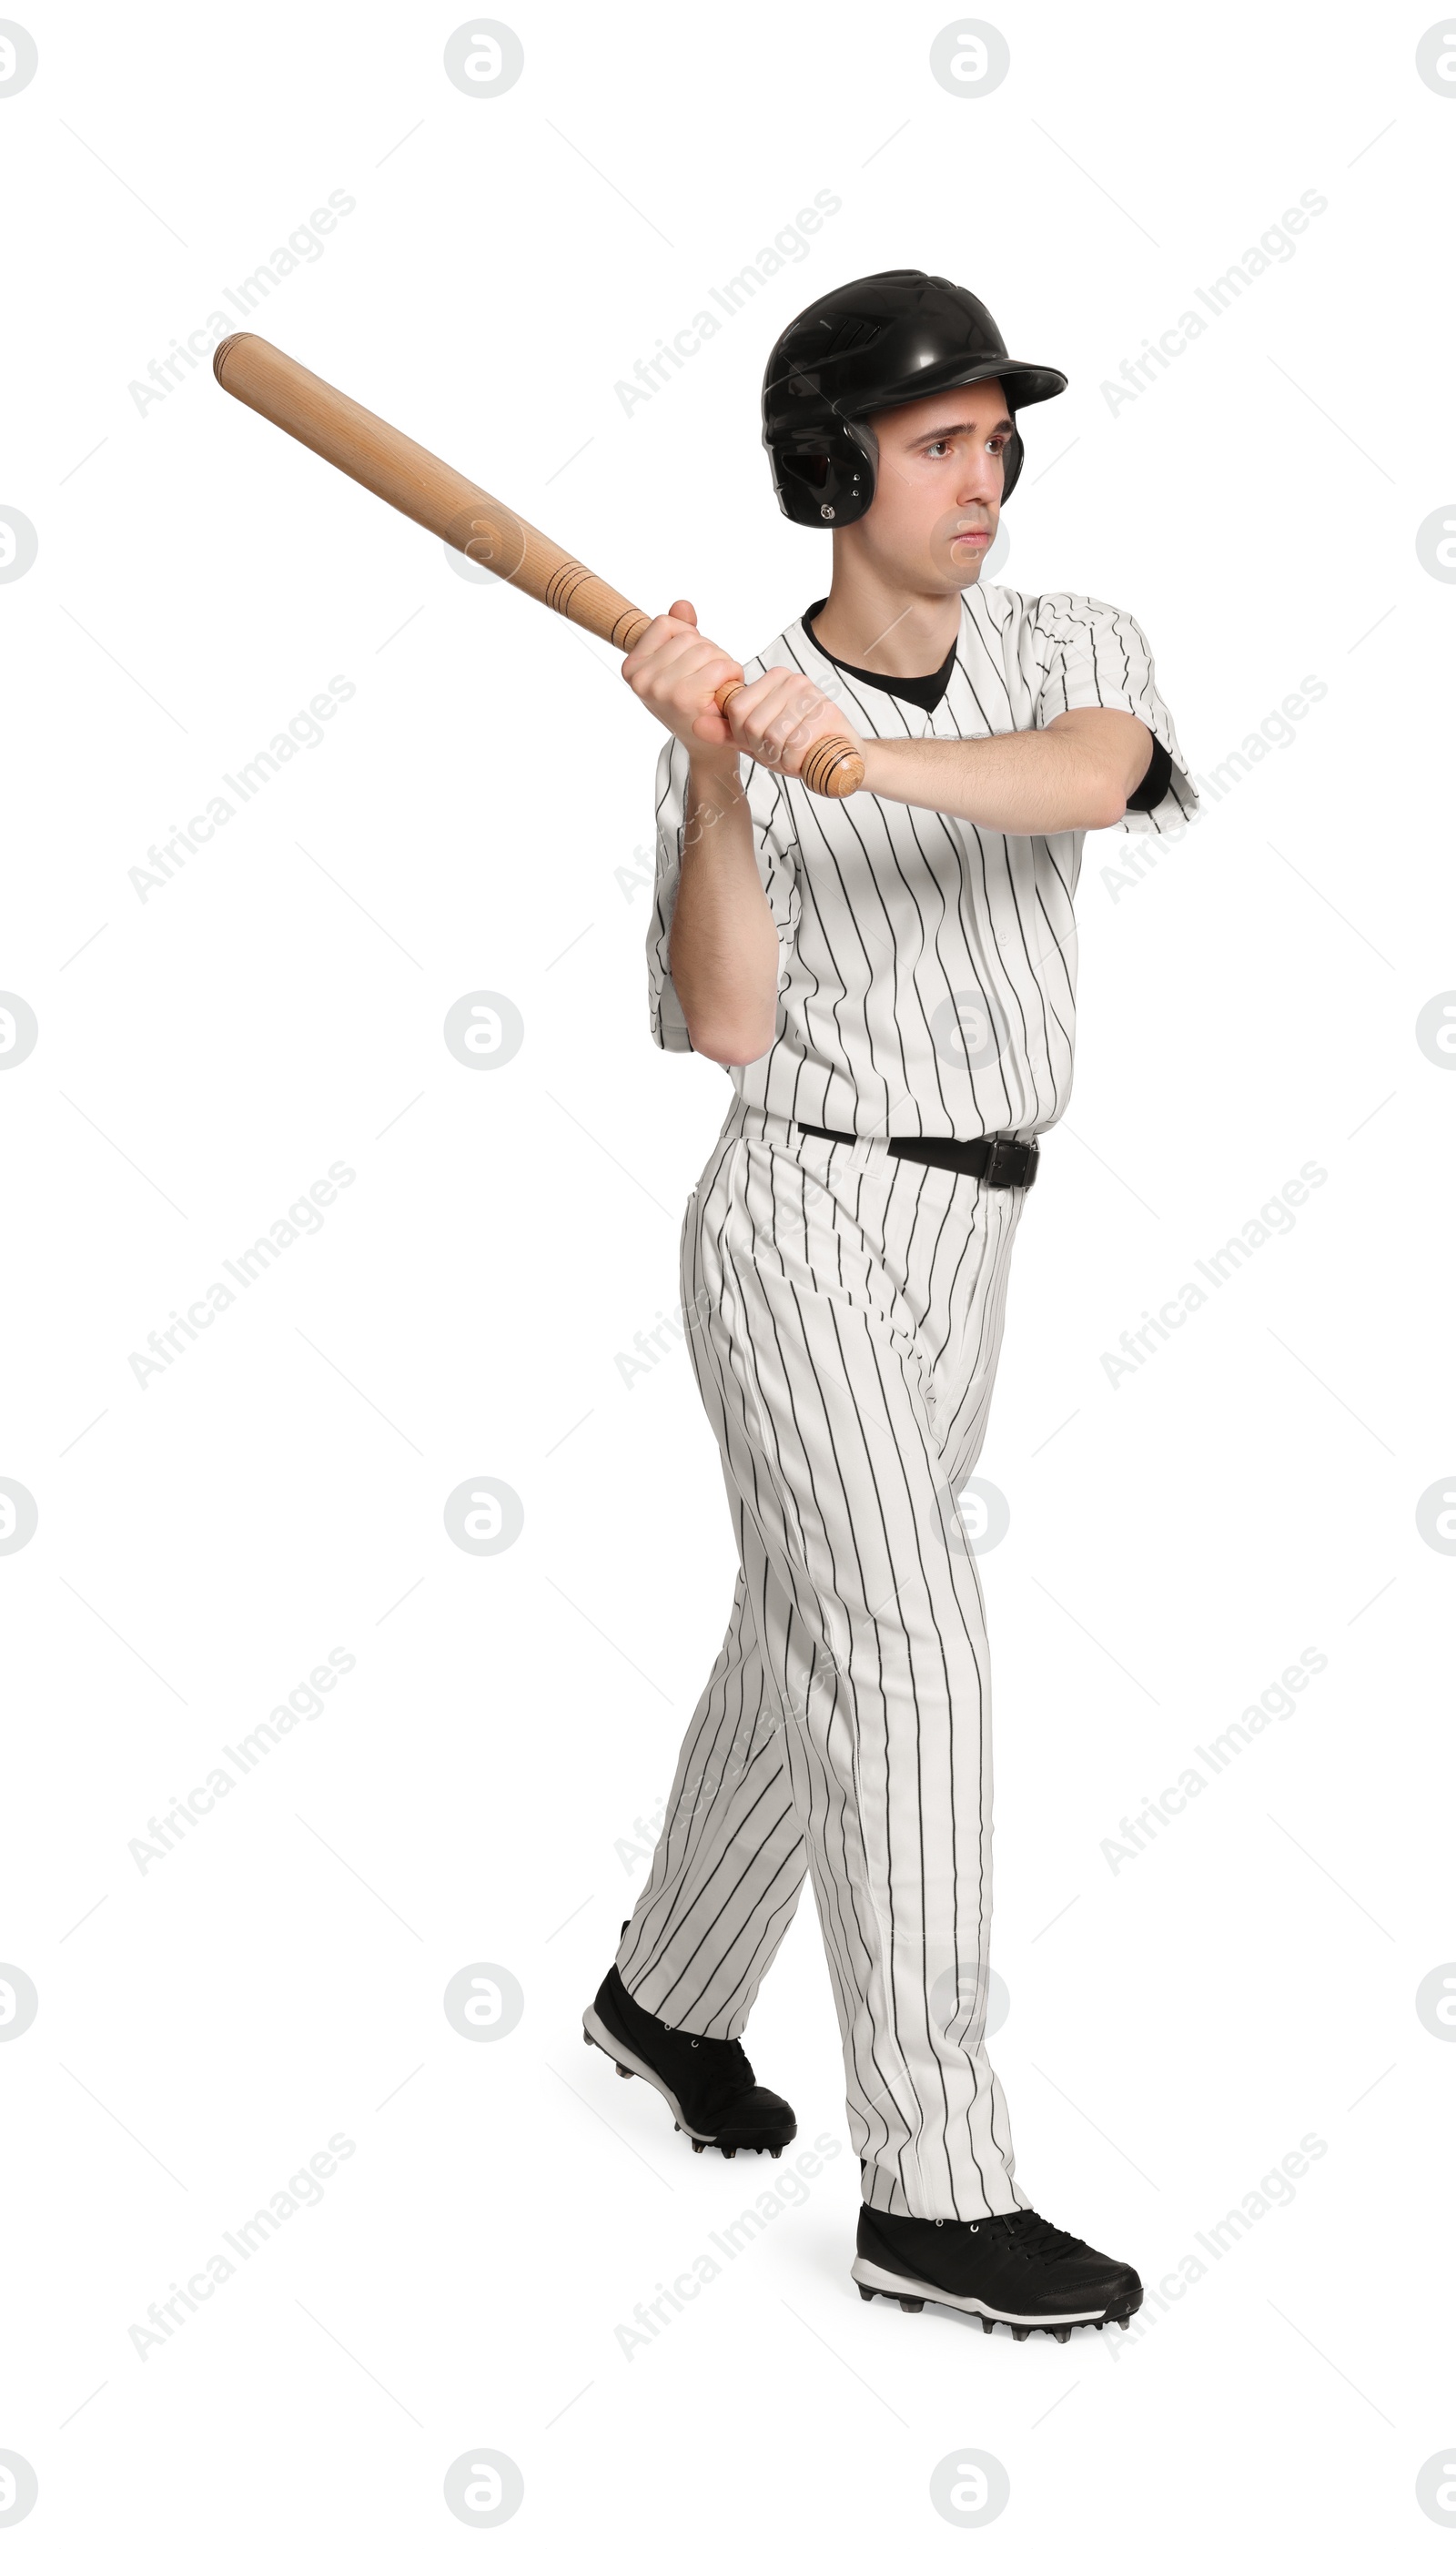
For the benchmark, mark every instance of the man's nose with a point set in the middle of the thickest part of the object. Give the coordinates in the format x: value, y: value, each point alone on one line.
x: 979, y: 478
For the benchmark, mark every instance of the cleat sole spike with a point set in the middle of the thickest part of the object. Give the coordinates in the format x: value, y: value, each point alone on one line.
x: 1061, y: 2334
x: 1020, y: 2334
x: 866, y: 2292
x: 907, y: 2304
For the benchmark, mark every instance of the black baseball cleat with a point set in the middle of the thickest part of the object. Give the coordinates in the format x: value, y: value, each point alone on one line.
x: 707, y: 2081
x: 1010, y: 2270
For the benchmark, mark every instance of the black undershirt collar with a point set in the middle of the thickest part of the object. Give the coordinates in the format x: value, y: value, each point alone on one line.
x: 923, y: 690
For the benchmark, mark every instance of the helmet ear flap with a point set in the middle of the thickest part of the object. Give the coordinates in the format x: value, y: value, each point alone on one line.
x: 1010, y: 463
x: 829, y: 485
x: 859, y: 462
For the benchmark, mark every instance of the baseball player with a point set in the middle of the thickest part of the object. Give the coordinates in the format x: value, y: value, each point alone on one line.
x: 889, y: 980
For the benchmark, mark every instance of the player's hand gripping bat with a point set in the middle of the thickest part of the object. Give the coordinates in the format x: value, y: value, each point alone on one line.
x: 410, y: 478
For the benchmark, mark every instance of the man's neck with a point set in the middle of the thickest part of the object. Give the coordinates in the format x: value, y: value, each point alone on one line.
x: 886, y: 628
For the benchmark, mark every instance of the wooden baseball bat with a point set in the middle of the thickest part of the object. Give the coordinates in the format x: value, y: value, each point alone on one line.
x: 459, y: 512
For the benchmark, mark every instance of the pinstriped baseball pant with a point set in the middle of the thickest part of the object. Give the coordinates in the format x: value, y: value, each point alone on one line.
x: 844, y: 1311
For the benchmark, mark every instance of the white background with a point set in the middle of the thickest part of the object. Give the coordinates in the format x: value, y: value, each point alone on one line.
x: 470, y: 821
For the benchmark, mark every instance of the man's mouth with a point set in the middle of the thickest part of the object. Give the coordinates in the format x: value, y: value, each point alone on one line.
x: 971, y: 538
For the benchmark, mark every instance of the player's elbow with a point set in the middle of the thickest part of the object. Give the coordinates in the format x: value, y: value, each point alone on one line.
x: 1108, y: 805
x: 732, y: 1044
x: 731, y: 999
x: 1099, y: 790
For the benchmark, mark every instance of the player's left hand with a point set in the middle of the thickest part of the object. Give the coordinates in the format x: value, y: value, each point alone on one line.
x: 777, y: 717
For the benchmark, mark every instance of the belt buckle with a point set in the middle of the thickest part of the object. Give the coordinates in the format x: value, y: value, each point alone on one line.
x: 1012, y: 1162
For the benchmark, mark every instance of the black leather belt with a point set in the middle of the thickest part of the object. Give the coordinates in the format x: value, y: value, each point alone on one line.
x: 1003, y: 1159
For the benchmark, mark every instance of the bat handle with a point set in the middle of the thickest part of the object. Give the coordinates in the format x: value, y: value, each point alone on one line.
x: 832, y: 767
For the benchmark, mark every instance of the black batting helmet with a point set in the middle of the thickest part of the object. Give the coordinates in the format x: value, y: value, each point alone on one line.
x: 876, y: 343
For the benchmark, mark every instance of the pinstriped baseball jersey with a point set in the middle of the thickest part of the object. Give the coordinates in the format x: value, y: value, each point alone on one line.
x: 928, y: 965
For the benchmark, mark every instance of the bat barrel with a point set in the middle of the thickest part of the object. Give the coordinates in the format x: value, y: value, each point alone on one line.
x: 410, y: 479
x: 404, y: 474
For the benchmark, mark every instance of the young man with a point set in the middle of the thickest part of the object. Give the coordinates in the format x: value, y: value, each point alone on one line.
x: 889, y: 980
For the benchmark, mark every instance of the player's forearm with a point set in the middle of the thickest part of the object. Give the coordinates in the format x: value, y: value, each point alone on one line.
x: 1045, y: 780
x: 725, y: 948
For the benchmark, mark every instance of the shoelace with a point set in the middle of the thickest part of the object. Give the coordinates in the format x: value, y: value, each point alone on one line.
x: 722, y: 2065
x: 1035, y: 2238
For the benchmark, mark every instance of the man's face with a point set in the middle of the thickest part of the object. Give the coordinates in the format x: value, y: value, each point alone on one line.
x: 938, y: 487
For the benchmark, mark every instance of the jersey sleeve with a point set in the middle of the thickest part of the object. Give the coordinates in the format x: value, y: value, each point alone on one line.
x: 774, y: 842
x: 1088, y: 654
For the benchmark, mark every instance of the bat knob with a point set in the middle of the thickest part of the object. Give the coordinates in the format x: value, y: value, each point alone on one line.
x: 832, y: 767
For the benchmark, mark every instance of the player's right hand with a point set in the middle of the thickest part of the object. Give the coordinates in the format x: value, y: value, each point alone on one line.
x: 674, y: 672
